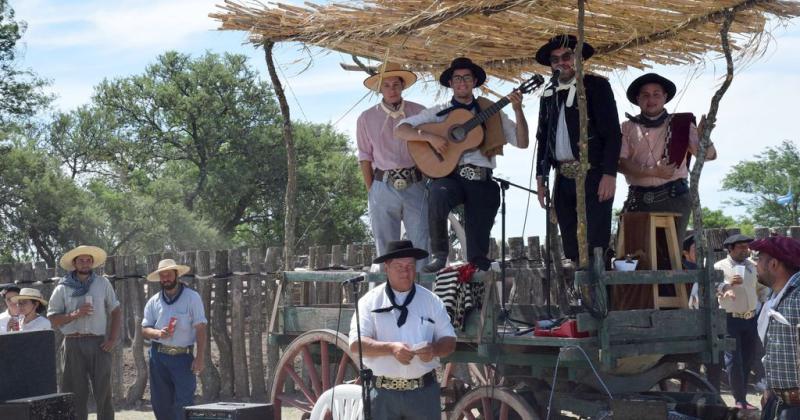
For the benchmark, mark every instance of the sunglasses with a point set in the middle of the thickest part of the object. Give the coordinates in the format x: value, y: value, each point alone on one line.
x: 567, y: 56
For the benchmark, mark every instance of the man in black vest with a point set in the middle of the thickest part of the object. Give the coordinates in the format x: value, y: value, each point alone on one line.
x: 657, y: 180
x: 558, y: 136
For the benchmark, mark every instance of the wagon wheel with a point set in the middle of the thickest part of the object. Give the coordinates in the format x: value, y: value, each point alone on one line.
x: 489, y: 403
x: 454, y: 387
x: 684, y: 381
x: 314, y: 361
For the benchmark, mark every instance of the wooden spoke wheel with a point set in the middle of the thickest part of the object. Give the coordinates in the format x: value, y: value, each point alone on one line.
x: 684, y: 381
x: 312, y: 363
x: 490, y: 403
x: 459, y: 378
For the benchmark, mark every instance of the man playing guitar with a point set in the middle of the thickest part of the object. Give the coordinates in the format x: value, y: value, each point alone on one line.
x: 471, y: 182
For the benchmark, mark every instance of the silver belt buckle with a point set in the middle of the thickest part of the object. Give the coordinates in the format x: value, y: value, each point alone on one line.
x: 648, y: 197
x: 399, y: 184
x: 469, y: 173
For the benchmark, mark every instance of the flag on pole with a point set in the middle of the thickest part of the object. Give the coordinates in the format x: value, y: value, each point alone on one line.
x: 787, y: 199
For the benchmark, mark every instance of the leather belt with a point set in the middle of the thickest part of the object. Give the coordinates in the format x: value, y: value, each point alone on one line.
x: 399, y: 178
x: 81, y: 335
x: 172, y: 350
x: 569, y: 169
x: 401, y: 384
x: 657, y: 194
x: 790, y: 396
x: 473, y: 173
x: 743, y: 315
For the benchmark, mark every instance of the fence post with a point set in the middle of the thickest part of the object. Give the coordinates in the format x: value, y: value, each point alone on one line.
x: 256, y: 325
x: 219, y: 323
x: 271, y: 265
x: 239, y: 349
x: 117, y: 388
x: 210, y: 376
x: 136, y: 297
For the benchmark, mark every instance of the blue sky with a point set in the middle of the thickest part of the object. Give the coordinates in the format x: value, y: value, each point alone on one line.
x: 76, y: 44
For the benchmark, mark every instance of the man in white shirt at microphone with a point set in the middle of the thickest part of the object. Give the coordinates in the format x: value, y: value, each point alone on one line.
x: 405, y: 329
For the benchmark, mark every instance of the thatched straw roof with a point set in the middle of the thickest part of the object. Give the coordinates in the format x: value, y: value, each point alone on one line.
x: 503, y: 35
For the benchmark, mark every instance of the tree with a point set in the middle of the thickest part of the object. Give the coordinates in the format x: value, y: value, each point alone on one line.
x: 20, y: 90
x: 716, y: 219
x: 772, y: 174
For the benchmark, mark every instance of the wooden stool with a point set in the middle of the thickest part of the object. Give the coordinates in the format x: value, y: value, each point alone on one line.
x: 638, y: 233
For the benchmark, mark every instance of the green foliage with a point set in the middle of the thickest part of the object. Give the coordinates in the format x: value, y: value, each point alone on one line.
x: 20, y: 90
x: 764, y: 179
x: 716, y: 219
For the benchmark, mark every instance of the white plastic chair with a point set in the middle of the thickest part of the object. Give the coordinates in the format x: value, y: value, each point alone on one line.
x: 347, y: 404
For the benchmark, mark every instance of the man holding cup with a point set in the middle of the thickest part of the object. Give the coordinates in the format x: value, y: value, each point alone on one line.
x: 173, y: 320
x: 739, y: 295
x: 80, y: 306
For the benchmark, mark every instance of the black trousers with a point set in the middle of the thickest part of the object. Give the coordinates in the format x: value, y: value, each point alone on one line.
x: 598, y: 214
x: 481, y: 200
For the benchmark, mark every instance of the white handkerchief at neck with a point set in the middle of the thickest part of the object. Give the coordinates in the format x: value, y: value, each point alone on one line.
x: 571, y: 87
x: 766, y: 310
x: 399, y: 113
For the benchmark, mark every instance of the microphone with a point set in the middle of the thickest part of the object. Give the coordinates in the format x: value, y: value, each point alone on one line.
x: 357, y: 279
x: 554, y: 78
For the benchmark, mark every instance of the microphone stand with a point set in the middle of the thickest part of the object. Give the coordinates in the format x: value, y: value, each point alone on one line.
x: 364, y: 374
x: 505, y: 185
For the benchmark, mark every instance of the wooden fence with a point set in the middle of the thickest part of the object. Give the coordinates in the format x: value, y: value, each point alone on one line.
x: 238, y: 290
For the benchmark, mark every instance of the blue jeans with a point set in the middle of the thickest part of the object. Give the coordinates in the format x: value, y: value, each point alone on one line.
x: 172, y: 384
x: 739, y: 361
x: 419, y: 404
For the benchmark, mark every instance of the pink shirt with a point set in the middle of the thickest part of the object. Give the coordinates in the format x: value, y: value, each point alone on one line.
x: 645, y: 146
x: 376, y: 140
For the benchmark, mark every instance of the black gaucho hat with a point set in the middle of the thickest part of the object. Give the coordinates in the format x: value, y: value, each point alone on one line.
x: 401, y: 249
x: 463, y: 63
x: 561, y: 41
x: 735, y: 239
x: 636, y: 86
x: 8, y: 287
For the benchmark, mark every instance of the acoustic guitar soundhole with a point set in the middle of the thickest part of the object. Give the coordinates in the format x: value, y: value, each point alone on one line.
x: 458, y: 133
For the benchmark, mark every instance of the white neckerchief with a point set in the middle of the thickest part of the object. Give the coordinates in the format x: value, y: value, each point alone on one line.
x: 766, y: 310
x: 570, y: 85
x: 400, y: 113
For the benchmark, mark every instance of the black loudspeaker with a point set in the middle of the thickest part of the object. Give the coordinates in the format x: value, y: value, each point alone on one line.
x: 229, y: 411
x: 27, y: 364
x: 43, y: 407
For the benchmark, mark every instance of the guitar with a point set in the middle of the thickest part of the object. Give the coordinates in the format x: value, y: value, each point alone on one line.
x: 462, y: 130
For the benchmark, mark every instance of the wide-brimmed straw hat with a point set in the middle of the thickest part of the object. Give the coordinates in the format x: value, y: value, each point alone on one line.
x: 561, y: 41
x: 97, y: 254
x: 461, y: 63
x: 401, y: 249
x: 30, y: 294
x: 633, y: 90
x: 387, y: 70
x: 165, y: 265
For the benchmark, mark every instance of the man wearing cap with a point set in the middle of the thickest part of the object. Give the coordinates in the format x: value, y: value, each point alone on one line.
x: 656, y: 149
x: 9, y: 319
x: 80, y: 306
x: 778, y: 268
x: 471, y: 183
x: 405, y: 329
x: 395, y: 187
x: 174, y: 320
x: 558, y: 136
x: 738, y: 295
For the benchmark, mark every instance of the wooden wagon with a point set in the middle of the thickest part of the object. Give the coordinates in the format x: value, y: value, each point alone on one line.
x: 628, y: 365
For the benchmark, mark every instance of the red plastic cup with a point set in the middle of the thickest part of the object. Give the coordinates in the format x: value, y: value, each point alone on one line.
x: 171, y: 326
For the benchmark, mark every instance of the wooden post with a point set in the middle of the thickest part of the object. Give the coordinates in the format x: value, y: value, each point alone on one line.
x: 152, y: 286
x: 241, y: 381
x: 761, y: 232
x: 271, y: 298
x: 794, y: 232
x: 516, y: 249
x: 209, y: 378
x: 583, y: 144
x: 136, y: 296
x: 534, y: 250
x: 352, y: 255
x: 117, y: 388
x: 256, y: 325
x: 219, y: 324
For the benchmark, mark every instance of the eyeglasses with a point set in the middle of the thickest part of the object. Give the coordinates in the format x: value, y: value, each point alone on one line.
x: 567, y: 56
x: 465, y: 79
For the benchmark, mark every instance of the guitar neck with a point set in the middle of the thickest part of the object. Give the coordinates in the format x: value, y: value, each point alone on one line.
x: 485, y: 114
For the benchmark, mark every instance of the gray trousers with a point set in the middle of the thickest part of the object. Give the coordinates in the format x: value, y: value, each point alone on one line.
x: 419, y: 404
x: 388, y: 207
x: 85, y: 361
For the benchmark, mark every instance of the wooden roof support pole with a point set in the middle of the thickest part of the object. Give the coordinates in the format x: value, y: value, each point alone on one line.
x: 583, y: 143
x: 707, y: 123
x: 290, y: 215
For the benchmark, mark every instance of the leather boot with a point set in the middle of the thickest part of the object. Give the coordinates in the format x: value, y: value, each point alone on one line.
x: 437, y: 263
x: 440, y: 246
